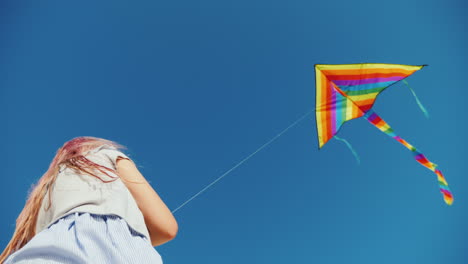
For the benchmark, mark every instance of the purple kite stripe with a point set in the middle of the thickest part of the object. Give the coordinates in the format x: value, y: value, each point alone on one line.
x: 367, y: 81
x: 372, y: 117
x: 446, y: 191
x: 419, y: 157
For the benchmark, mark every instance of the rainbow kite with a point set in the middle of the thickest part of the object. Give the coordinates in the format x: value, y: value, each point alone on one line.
x: 348, y: 91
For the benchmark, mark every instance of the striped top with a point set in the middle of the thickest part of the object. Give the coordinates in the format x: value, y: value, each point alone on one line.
x: 74, y: 192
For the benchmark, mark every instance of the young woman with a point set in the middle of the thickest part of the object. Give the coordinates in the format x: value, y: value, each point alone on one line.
x: 91, y: 206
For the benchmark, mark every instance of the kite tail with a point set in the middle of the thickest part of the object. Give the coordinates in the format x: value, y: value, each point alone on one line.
x: 356, y: 156
x: 372, y: 117
x: 421, y: 106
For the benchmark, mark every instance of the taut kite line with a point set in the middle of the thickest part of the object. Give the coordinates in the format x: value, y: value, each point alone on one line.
x: 345, y: 92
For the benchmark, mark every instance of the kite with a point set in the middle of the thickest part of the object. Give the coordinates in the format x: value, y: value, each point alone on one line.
x: 348, y: 91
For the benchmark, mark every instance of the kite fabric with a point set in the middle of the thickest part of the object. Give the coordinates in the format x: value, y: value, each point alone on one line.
x: 348, y: 91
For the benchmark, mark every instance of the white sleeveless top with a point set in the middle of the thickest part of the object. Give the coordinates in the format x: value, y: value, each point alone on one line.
x: 74, y: 192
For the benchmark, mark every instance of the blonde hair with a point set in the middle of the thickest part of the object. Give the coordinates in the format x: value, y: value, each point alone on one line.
x: 71, y: 154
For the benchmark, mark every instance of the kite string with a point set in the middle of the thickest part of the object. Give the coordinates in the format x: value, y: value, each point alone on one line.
x: 242, y: 161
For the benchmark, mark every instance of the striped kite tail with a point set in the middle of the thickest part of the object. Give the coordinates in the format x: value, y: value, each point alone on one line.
x: 372, y: 117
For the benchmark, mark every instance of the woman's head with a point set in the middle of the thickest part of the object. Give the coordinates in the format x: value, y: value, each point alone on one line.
x: 77, y: 147
x: 71, y: 154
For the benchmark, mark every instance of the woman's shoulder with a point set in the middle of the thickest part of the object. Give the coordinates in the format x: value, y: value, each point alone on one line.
x: 111, y: 152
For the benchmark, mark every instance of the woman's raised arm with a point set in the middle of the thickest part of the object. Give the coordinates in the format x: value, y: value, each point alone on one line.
x: 161, y: 224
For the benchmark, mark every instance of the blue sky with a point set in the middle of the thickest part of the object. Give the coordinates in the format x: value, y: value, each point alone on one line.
x: 193, y: 87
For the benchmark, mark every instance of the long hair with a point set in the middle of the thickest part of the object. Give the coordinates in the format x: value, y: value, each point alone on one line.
x: 71, y: 154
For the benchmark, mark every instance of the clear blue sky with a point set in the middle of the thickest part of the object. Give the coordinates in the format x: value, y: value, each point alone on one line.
x: 192, y: 87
